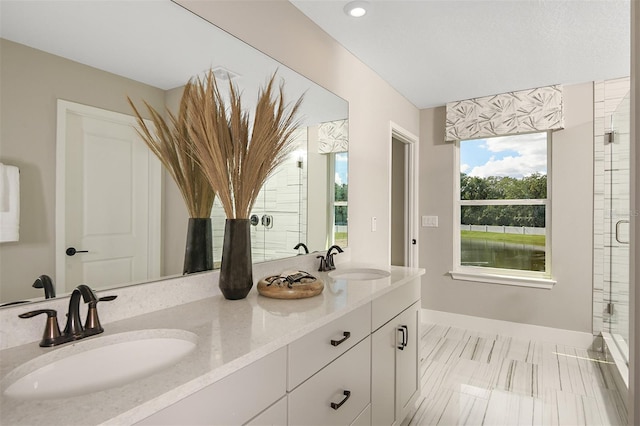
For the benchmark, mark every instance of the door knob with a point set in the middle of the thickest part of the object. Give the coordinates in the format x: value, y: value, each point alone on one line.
x: 71, y: 251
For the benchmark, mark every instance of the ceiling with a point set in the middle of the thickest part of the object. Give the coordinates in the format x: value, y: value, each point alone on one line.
x: 438, y: 51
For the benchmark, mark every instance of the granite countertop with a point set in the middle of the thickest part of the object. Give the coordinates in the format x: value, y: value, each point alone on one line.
x: 230, y: 335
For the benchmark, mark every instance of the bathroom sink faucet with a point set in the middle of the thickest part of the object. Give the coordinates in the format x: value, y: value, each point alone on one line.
x: 326, y: 263
x: 304, y: 246
x: 45, y: 282
x: 330, y: 264
x: 74, y: 329
x: 74, y: 325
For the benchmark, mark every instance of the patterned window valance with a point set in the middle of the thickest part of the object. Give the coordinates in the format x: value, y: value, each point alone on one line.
x: 508, y: 113
x: 333, y: 136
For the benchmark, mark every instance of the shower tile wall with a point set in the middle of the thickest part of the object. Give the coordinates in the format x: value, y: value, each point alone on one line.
x: 284, y: 198
x: 607, y: 97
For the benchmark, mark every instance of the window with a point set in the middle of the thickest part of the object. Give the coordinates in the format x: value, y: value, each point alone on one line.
x: 503, y: 207
x: 340, y: 197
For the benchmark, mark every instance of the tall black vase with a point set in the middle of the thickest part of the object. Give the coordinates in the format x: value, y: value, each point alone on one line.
x: 198, y: 254
x: 236, y: 275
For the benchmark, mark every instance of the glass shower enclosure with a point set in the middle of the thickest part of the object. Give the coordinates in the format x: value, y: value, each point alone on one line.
x: 617, y: 229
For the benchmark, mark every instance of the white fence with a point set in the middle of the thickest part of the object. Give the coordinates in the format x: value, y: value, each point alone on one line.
x: 522, y: 230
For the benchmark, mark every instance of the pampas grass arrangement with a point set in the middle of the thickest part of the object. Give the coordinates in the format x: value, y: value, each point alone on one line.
x: 236, y: 157
x: 172, y: 144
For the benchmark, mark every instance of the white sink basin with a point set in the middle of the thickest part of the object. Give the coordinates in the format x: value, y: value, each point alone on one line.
x: 360, y: 274
x: 98, y: 364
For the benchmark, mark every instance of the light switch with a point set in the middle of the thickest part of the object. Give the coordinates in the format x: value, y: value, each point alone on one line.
x: 430, y: 221
x: 374, y: 224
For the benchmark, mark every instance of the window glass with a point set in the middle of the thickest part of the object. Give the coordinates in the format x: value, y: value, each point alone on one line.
x: 503, y: 203
x: 341, y: 190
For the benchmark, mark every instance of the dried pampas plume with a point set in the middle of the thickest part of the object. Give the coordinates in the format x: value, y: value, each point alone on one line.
x: 235, y: 157
x: 173, y: 145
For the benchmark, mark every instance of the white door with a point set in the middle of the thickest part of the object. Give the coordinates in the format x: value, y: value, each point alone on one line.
x: 108, y: 200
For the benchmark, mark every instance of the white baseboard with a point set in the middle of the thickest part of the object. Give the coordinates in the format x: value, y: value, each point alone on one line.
x: 572, y: 338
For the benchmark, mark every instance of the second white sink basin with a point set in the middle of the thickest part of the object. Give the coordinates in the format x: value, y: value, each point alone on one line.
x: 99, y: 364
x: 360, y: 274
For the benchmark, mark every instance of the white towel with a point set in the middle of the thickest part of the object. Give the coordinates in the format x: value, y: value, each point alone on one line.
x: 9, y: 203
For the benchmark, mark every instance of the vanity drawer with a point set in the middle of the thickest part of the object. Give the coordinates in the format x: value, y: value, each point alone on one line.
x: 384, y: 308
x: 274, y: 415
x: 315, y: 350
x: 232, y: 400
x: 310, y: 403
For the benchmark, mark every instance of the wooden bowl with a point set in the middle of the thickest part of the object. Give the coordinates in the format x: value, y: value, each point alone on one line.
x: 298, y: 290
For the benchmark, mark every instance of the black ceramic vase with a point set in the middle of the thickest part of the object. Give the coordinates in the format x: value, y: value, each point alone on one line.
x: 198, y: 254
x: 236, y: 276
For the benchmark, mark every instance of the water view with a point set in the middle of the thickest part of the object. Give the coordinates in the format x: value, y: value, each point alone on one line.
x: 498, y: 254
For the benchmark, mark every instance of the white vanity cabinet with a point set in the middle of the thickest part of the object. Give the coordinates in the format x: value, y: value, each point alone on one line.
x: 338, y: 393
x: 235, y: 399
x: 358, y: 369
x: 311, y: 352
x: 395, y: 355
x: 329, y: 372
x: 274, y: 415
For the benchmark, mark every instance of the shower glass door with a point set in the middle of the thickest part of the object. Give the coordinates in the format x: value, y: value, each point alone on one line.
x: 617, y: 202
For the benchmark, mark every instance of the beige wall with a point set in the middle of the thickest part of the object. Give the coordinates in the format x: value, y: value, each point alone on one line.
x: 281, y: 31
x: 568, y: 304
x: 31, y: 82
x: 175, y: 217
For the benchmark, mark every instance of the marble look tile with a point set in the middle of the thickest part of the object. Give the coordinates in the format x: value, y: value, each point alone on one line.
x: 506, y: 408
x: 472, y: 378
x: 453, y: 408
x: 479, y: 349
x: 519, y: 377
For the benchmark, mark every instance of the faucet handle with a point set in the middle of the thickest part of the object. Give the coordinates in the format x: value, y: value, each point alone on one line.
x: 92, y: 324
x: 51, y: 335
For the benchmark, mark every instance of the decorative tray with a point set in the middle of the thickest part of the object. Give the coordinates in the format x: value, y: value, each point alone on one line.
x: 290, y: 285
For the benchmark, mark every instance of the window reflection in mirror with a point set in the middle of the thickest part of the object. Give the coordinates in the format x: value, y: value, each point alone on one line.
x: 341, y: 190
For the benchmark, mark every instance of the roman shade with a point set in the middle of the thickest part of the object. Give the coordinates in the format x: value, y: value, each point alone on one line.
x: 524, y: 111
x: 333, y: 136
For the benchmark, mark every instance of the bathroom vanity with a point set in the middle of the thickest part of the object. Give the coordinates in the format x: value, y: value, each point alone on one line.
x: 347, y: 356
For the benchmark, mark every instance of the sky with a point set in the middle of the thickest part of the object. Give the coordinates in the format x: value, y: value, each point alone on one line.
x: 342, y: 167
x: 515, y: 156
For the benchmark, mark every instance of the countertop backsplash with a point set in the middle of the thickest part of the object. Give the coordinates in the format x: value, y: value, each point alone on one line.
x: 142, y: 298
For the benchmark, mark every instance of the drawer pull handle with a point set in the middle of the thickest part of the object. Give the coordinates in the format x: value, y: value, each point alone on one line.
x: 405, y: 337
x: 346, y: 394
x: 346, y: 335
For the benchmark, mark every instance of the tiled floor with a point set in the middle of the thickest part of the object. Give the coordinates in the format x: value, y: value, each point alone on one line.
x: 472, y: 378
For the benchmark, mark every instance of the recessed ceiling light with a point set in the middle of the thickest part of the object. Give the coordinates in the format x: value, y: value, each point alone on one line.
x: 356, y: 9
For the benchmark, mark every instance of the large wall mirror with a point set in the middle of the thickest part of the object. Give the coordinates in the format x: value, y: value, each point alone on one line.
x: 63, y: 63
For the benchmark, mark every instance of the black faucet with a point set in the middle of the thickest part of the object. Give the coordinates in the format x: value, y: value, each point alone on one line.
x: 326, y: 263
x: 330, y: 263
x: 74, y: 329
x: 74, y: 325
x: 303, y: 245
x: 44, y: 281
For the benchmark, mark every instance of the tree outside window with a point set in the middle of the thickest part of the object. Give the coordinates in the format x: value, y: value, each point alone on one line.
x: 503, y: 204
